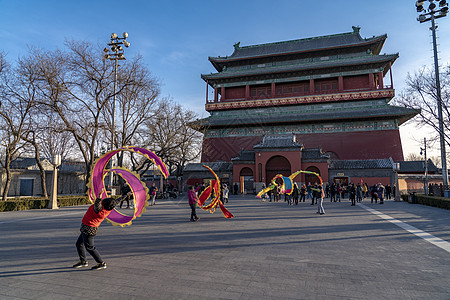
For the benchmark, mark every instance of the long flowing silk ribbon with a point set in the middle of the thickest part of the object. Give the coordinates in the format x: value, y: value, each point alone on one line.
x: 96, y: 184
x: 214, y: 187
x: 286, y: 187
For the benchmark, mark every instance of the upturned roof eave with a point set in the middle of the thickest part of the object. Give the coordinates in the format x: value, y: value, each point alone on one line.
x: 216, y: 76
x: 403, y: 117
x: 379, y: 39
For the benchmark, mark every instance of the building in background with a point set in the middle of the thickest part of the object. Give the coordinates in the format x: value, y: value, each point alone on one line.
x: 326, y: 94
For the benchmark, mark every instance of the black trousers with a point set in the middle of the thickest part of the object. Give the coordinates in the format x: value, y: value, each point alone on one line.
x: 86, y: 242
x: 193, y: 213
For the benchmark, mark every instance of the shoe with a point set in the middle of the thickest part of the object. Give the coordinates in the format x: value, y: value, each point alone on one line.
x: 197, y: 219
x: 322, y: 213
x: 80, y: 264
x: 99, y: 266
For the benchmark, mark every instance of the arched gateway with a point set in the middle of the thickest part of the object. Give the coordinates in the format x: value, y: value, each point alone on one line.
x: 277, y: 165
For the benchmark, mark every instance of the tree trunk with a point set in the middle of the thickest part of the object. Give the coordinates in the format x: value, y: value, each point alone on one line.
x: 8, y: 178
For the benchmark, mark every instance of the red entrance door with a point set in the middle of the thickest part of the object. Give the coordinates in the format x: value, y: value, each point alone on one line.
x: 277, y: 165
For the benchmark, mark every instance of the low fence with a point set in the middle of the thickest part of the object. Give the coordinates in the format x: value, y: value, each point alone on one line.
x: 439, y: 202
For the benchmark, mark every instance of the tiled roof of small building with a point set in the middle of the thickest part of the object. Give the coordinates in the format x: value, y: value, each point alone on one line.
x: 219, y: 166
x: 313, y: 154
x: 278, y: 141
x: 23, y: 163
x: 417, y: 166
x: 304, y: 45
x: 245, y: 155
x: 361, y: 164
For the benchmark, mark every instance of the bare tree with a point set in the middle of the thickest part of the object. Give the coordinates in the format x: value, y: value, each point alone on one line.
x: 136, y: 104
x: 77, y: 85
x: 18, y: 96
x: 421, y: 95
x: 171, y: 136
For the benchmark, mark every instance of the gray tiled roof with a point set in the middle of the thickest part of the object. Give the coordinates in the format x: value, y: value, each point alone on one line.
x: 362, y: 164
x: 66, y: 166
x: 417, y: 166
x: 278, y: 141
x: 313, y: 154
x: 245, y: 155
x: 387, y: 111
x: 219, y: 166
x: 354, y: 61
x: 23, y: 163
x: 303, y: 45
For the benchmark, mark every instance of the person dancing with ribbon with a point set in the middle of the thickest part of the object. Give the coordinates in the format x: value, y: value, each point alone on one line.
x: 92, y: 219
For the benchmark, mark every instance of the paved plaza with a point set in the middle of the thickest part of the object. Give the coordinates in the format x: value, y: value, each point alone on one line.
x: 269, y: 251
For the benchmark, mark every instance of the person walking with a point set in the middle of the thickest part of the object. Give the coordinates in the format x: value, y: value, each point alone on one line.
x: 193, y: 199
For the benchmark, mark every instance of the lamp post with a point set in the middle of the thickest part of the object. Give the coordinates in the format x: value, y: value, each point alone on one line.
x: 427, y: 15
x: 423, y: 151
x: 115, y: 53
x: 53, y: 203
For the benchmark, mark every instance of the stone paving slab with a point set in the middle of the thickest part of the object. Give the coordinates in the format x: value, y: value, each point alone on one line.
x: 269, y: 251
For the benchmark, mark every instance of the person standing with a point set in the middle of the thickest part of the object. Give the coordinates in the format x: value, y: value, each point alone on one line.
x: 352, y: 194
x: 153, y: 190
x: 308, y: 190
x: 295, y: 193
x: 365, y: 189
x: 303, y: 193
x: 225, y: 193
x: 319, y: 194
x: 193, y: 199
x: 333, y: 192
x: 338, y: 193
x: 359, y: 193
x: 124, y: 191
x: 313, y: 194
x: 380, y: 192
x: 388, y: 192
x: 374, y: 193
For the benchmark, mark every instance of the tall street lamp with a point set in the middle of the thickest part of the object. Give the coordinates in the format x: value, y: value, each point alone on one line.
x: 427, y: 15
x: 115, y: 52
x: 53, y: 203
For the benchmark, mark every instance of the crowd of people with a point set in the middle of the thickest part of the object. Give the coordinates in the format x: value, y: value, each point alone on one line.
x: 335, y: 192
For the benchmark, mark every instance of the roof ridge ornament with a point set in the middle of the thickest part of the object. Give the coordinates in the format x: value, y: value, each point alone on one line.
x: 236, y: 46
x: 356, y: 29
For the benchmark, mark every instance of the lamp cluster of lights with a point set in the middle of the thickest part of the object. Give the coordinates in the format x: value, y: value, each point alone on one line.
x: 427, y: 14
x: 116, y: 47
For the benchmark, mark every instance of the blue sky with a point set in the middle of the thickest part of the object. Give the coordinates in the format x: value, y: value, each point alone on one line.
x: 176, y: 37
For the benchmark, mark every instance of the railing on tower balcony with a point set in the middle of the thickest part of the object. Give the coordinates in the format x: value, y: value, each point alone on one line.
x: 268, y: 94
